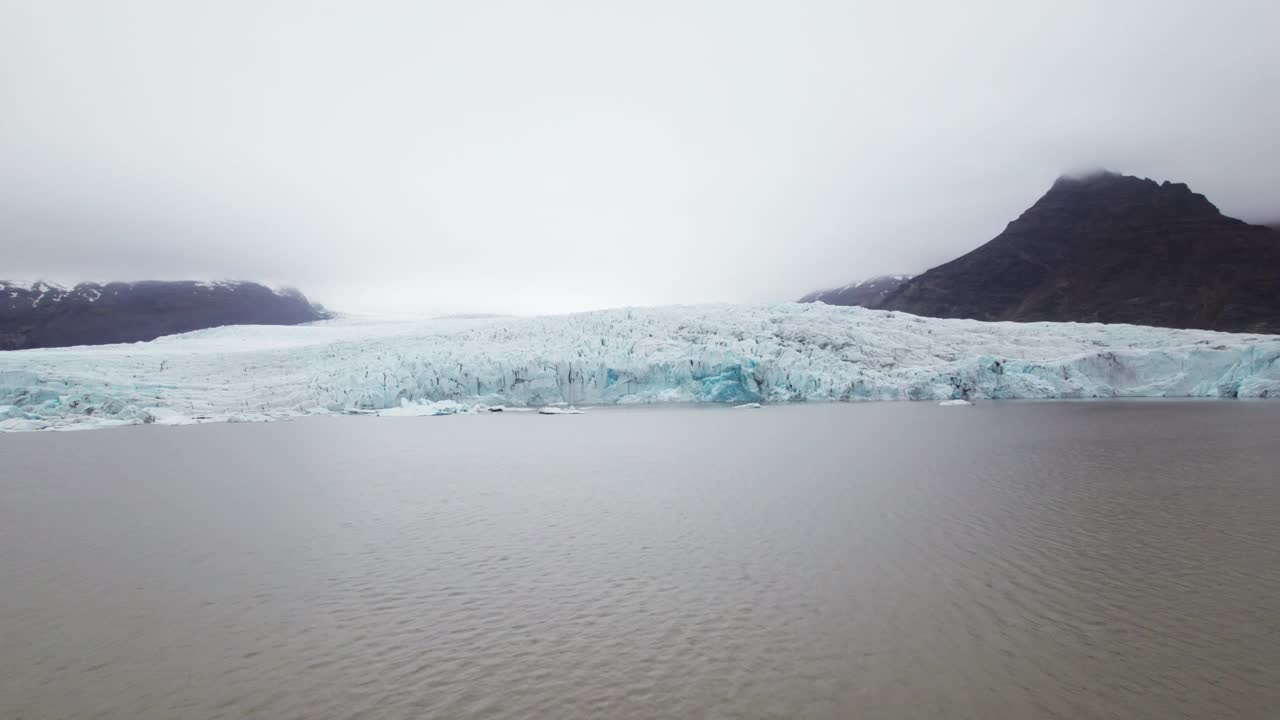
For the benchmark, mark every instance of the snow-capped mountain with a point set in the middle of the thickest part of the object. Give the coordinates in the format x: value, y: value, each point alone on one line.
x: 41, y: 314
x: 867, y: 293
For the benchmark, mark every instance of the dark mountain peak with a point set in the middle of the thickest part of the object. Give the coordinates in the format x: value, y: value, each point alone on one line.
x: 1106, y: 247
x: 1092, y: 177
x: 1107, y: 198
x: 1102, y: 183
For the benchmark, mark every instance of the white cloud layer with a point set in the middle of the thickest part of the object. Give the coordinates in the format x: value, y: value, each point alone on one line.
x: 563, y: 155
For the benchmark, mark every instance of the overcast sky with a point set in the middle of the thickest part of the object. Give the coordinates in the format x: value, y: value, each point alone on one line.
x: 545, y: 156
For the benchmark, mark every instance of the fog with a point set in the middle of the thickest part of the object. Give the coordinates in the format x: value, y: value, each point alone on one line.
x: 555, y: 156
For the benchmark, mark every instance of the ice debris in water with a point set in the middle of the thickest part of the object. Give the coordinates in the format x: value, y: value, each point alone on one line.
x: 747, y: 406
x: 555, y: 410
x: 954, y: 403
x: 428, y: 409
x: 734, y: 354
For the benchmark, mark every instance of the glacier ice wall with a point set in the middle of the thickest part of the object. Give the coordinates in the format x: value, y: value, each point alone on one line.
x: 718, y: 353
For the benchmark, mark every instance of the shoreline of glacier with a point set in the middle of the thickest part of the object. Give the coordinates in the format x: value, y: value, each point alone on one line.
x: 731, y: 354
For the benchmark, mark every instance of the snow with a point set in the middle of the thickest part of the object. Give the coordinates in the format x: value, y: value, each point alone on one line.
x: 278, y: 291
x: 733, y: 354
x: 876, y: 279
x: 46, y: 292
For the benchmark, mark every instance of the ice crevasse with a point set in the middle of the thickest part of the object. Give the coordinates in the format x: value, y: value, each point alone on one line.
x: 714, y: 353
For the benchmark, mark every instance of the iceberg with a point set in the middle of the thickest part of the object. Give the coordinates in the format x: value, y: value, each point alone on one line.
x: 731, y: 354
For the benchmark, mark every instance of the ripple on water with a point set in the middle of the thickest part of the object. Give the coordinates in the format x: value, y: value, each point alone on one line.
x: 1012, y: 561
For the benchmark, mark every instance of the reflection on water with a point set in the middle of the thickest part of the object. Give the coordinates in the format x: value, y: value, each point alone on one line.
x: 1018, y: 560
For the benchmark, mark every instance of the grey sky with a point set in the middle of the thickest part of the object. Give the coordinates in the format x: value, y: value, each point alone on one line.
x: 552, y: 155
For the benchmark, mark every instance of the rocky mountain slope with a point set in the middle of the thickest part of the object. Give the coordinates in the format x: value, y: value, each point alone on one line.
x: 1116, y: 249
x: 866, y: 293
x: 40, y: 314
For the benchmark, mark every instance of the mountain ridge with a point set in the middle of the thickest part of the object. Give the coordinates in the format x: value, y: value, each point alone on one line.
x: 43, y: 314
x: 1112, y: 248
x: 867, y: 292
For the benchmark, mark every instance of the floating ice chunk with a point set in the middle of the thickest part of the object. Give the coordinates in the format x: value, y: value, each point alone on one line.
x: 483, y: 408
x: 427, y: 409
x: 252, y: 417
x: 747, y: 406
x: 954, y: 403
x: 164, y: 416
x: 550, y: 410
x: 21, y: 425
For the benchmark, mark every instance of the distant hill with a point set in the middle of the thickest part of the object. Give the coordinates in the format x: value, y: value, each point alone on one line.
x: 41, y: 314
x: 867, y: 293
x: 1116, y: 249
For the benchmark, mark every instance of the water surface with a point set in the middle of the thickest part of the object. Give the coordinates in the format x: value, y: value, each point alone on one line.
x: 1009, y: 560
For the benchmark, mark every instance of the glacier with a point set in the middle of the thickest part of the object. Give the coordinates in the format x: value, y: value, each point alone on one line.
x: 735, y: 354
